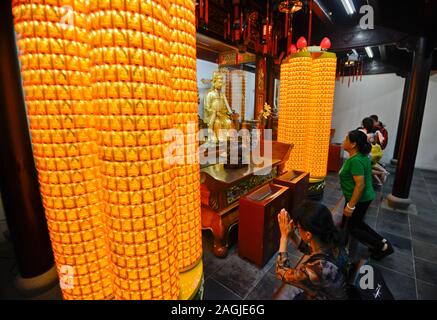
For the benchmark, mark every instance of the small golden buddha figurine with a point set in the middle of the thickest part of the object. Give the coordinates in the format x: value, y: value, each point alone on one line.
x: 217, y: 113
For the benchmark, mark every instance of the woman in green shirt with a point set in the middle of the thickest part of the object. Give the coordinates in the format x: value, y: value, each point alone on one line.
x: 356, y: 185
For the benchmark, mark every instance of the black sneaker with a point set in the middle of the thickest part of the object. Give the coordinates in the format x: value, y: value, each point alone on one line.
x: 379, y: 255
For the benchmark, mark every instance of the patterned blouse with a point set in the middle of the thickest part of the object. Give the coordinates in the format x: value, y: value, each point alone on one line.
x: 316, y: 275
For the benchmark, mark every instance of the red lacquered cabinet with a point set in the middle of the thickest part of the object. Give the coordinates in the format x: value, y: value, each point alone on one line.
x: 335, y: 160
x: 297, y: 183
x: 258, y: 230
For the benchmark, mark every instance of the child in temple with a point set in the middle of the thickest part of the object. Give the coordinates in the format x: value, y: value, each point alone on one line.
x: 375, y: 138
x: 320, y: 274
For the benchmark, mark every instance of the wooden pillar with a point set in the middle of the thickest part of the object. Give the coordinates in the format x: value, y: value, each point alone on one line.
x: 270, y: 86
x: 414, y: 110
x: 260, y: 84
x: 401, y: 118
x: 18, y: 178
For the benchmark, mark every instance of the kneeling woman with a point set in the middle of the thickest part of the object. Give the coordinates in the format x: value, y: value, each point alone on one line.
x: 320, y: 274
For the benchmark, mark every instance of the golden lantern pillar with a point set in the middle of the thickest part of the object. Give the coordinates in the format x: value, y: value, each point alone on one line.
x: 306, y: 103
x: 321, y: 106
x: 183, y: 70
x: 55, y: 69
x: 131, y: 82
x: 293, y: 112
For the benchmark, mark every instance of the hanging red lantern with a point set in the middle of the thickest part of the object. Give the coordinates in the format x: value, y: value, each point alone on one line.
x: 325, y: 44
x: 301, y: 42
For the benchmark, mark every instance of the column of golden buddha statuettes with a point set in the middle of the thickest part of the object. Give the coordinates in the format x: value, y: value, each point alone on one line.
x: 183, y: 69
x: 305, y: 112
x: 293, y: 108
x: 321, y: 105
x: 54, y: 60
x: 133, y: 95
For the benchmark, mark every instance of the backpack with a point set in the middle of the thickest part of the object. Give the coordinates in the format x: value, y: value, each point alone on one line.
x: 384, y: 133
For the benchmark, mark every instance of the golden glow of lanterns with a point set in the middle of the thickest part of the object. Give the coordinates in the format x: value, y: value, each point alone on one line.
x: 133, y: 99
x: 183, y: 69
x: 101, y: 92
x: 305, y: 109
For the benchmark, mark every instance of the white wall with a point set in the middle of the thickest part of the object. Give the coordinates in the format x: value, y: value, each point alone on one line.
x: 375, y: 94
x: 382, y: 95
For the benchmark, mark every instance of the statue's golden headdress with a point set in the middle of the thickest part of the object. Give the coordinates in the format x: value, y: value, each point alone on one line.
x: 217, y: 74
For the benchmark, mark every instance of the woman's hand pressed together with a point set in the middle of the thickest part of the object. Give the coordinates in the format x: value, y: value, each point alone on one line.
x: 285, y: 224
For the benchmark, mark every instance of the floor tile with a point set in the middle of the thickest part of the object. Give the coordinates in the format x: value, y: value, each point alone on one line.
x: 422, y: 222
x: 424, y: 235
x: 215, y: 291
x: 239, y: 275
x: 392, y: 216
x: 399, y: 262
x: 270, y: 288
x: 401, y: 286
x: 425, y: 251
x: 212, y: 263
x: 432, y: 181
x: 426, y: 271
x: 393, y: 227
x: 426, y: 291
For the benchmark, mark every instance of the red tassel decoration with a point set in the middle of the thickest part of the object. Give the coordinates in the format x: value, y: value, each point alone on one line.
x: 229, y: 24
x: 275, y: 48
x: 225, y: 28
x: 286, y: 24
x: 206, y: 11
x: 201, y: 8
x: 241, y: 23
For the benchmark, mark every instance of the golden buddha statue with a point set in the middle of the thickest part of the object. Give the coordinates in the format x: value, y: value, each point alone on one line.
x: 217, y: 113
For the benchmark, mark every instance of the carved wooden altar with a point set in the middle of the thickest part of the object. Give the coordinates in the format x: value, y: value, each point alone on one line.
x: 222, y: 188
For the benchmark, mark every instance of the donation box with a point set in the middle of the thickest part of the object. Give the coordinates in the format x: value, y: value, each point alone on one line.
x: 258, y: 230
x: 297, y: 183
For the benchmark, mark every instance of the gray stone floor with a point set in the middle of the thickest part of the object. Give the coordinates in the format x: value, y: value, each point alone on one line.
x: 410, y: 273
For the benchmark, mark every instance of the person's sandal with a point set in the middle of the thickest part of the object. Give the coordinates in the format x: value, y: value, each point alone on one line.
x: 379, y: 255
